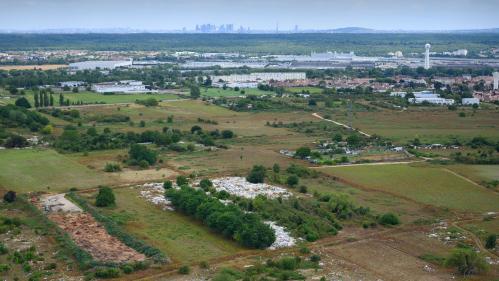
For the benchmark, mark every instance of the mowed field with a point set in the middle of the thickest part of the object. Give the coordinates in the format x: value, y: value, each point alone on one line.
x: 433, y: 125
x: 45, y: 170
x: 91, y: 97
x: 431, y: 185
x: 181, y: 238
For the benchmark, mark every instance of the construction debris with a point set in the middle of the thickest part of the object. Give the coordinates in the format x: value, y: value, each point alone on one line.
x: 238, y: 186
x: 282, y: 238
x: 58, y: 203
x: 155, y: 193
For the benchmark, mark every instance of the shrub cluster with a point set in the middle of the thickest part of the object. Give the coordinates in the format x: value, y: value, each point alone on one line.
x: 229, y: 220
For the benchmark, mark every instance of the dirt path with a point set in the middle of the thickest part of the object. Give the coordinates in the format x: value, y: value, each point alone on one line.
x: 341, y: 124
x: 464, y: 178
x: 368, y: 164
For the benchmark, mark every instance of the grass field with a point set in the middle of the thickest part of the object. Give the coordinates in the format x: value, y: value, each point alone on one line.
x: 312, y: 90
x: 91, y: 97
x: 219, y: 92
x: 477, y: 173
x: 421, y: 183
x: 181, y: 238
x: 45, y: 170
x: 433, y: 125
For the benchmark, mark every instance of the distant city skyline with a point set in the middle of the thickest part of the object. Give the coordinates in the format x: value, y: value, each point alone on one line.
x: 155, y: 15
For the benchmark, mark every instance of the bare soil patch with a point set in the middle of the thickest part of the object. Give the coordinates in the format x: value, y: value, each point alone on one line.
x: 92, y: 237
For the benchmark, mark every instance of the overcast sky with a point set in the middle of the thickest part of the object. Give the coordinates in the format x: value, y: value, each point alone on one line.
x: 257, y: 14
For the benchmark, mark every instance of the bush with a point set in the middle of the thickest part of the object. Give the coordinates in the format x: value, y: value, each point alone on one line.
x: 182, y: 180
x: 204, y: 265
x: 4, y: 267
x: 205, y: 184
x: 112, y: 167
x: 184, y: 270
x: 168, y: 184
x: 315, y: 258
x: 107, y: 272
x: 389, y: 219
x: 3, y: 249
x: 139, y: 152
x: 257, y: 174
x: 105, y: 197
x: 227, y: 134
x: 292, y: 180
x: 9, y: 197
x: 303, y: 189
x: 466, y: 261
x: 490, y: 242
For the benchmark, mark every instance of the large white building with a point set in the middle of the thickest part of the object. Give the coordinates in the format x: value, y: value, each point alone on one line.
x: 260, y: 77
x: 430, y: 97
x: 470, y: 101
x: 125, y: 86
x: 93, y: 65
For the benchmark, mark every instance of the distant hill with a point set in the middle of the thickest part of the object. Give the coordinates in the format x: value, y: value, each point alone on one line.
x: 351, y: 30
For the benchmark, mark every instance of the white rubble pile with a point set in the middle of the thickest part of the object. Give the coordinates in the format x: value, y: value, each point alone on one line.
x: 59, y: 203
x: 155, y: 193
x: 440, y: 231
x: 282, y: 238
x: 238, y: 186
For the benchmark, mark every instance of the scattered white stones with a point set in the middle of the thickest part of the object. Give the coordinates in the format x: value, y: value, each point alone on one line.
x: 59, y: 203
x: 282, y: 238
x: 155, y: 193
x: 238, y: 186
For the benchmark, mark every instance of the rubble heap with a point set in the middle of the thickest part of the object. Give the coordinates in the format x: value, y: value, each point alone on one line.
x: 155, y: 193
x: 282, y: 238
x: 238, y: 186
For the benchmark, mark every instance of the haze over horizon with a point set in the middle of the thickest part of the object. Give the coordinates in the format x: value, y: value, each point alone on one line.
x: 257, y: 14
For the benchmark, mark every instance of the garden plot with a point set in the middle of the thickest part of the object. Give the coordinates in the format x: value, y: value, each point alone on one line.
x: 155, y: 193
x: 282, y: 238
x: 238, y: 186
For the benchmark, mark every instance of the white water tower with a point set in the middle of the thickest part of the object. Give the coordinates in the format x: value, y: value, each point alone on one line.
x: 427, y: 56
x: 496, y: 80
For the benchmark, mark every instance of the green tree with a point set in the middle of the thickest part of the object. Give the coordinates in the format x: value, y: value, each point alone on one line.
x: 23, y: 102
x: 195, y: 92
x: 37, y: 100
x: 257, y: 174
x: 139, y: 152
x: 105, y: 197
x: 167, y: 184
x: 61, y: 99
x: 276, y: 168
x: 490, y: 242
x: 467, y: 261
x: 45, y: 99
x: 303, y: 152
x: 51, y: 100
x: 292, y: 180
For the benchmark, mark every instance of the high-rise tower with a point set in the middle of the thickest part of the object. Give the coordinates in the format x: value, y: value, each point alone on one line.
x: 496, y: 80
x: 427, y: 56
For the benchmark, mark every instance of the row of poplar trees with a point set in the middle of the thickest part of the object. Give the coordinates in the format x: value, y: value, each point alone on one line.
x: 44, y: 99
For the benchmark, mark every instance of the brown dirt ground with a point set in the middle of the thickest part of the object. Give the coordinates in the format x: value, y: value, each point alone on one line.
x: 92, y: 237
x: 28, y: 67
